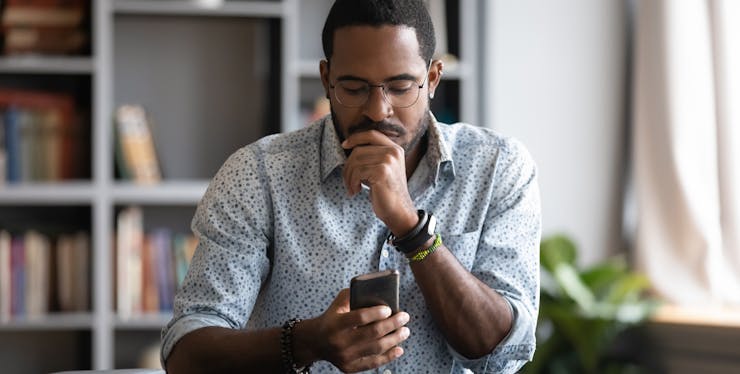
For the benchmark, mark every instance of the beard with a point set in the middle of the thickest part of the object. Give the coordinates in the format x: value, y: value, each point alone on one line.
x: 385, y: 127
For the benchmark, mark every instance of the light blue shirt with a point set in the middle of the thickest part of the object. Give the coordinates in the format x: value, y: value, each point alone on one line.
x: 279, y: 238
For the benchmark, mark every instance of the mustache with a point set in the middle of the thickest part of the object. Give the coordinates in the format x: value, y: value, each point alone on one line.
x: 382, y: 126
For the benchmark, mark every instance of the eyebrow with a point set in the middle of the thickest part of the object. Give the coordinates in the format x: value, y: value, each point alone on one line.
x: 398, y: 77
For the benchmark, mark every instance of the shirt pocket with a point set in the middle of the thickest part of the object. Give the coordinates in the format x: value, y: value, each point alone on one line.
x: 464, y: 246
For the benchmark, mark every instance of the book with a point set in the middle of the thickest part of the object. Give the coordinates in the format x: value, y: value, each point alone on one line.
x: 135, y: 153
x: 150, y: 299
x: 129, y: 272
x: 161, y: 240
x: 184, y: 247
x: 44, y: 40
x: 18, y: 276
x: 37, y: 253
x: 48, y: 13
x: 5, y: 276
x: 11, y: 120
x: 73, y: 272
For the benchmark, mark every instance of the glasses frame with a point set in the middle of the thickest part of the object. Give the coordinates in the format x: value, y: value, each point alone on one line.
x: 382, y: 89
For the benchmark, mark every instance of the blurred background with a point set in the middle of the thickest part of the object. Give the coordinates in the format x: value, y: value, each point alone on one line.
x: 116, y: 113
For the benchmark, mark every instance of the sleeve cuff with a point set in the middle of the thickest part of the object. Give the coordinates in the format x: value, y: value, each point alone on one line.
x: 176, y: 329
x: 509, y: 355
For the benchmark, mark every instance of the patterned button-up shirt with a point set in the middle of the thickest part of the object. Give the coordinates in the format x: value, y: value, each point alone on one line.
x: 279, y: 238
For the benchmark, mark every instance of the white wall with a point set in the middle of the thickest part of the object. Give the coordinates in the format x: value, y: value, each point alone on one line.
x: 556, y: 81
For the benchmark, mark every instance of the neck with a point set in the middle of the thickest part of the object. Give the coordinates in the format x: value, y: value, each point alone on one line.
x: 414, y: 156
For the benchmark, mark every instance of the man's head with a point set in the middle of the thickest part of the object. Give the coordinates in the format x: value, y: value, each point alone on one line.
x: 380, y: 42
x: 409, y: 13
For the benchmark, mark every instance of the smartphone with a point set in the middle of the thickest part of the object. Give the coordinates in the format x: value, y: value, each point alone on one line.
x: 372, y: 289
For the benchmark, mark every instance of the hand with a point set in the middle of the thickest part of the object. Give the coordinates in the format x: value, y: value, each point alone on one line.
x: 361, y: 339
x: 379, y: 163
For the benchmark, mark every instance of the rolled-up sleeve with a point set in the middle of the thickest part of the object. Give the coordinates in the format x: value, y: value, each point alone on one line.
x: 507, y: 259
x: 231, y: 261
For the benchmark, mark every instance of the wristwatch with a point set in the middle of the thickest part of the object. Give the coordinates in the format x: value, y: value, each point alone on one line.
x: 420, y: 234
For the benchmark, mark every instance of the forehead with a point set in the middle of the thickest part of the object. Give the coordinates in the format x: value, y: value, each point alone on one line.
x: 376, y: 52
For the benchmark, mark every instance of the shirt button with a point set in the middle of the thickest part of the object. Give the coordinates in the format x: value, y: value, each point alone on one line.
x: 384, y: 253
x: 386, y: 371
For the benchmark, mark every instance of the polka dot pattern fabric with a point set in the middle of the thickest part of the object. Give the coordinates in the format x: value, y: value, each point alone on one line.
x: 280, y: 237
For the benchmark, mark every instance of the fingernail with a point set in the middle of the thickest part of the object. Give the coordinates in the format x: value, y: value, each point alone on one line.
x: 387, y: 312
x: 344, y: 143
x: 405, y: 332
x: 405, y: 318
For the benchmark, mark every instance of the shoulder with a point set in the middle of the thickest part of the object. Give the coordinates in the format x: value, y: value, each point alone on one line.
x: 279, y: 146
x: 468, y: 142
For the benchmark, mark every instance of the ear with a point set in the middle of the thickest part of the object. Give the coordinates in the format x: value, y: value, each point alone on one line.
x: 435, y: 76
x: 324, y: 71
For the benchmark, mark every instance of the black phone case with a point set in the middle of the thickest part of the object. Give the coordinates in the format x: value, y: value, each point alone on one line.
x: 374, y: 289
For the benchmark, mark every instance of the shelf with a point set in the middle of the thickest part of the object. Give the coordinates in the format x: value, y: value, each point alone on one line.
x: 53, y: 321
x: 47, y: 193
x: 149, y: 321
x: 46, y: 65
x: 200, y: 8
x: 165, y: 193
x: 310, y: 69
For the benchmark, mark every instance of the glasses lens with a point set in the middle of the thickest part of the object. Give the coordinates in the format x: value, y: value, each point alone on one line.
x: 401, y: 93
x: 351, y: 93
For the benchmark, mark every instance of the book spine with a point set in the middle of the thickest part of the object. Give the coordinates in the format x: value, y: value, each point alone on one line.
x: 5, y: 276
x: 12, y: 143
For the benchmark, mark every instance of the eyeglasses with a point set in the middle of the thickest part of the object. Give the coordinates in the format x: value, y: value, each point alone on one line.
x: 400, y: 93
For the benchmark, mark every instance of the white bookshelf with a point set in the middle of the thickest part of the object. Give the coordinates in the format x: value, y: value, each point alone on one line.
x: 46, y: 65
x: 151, y: 51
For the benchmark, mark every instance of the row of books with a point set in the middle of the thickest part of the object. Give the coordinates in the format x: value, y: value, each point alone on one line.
x: 54, y: 27
x: 41, y: 137
x: 39, y: 274
x: 149, y: 266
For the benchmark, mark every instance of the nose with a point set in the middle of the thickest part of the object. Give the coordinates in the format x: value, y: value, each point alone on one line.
x: 377, y: 107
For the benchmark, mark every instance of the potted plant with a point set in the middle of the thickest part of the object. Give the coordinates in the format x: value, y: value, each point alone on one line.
x: 583, y: 311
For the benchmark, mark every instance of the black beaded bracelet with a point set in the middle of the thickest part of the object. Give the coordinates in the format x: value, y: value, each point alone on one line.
x: 286, y: 348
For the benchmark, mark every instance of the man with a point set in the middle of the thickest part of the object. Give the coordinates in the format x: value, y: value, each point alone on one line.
x: 289, y: 220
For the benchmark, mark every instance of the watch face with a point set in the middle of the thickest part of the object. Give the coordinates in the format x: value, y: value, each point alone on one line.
x: 432, y: 224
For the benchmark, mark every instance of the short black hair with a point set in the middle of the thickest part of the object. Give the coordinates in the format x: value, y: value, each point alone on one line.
x: 411, y: 13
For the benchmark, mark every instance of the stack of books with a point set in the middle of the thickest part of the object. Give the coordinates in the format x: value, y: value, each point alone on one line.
x: 54, y: 27
x: 149, y: 265
x: 41, y: 137
x: 39, y: 274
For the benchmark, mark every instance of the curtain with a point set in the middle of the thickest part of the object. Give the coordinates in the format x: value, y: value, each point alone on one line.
x: 686, y: 148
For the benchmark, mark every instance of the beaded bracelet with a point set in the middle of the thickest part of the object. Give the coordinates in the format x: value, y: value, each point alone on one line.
x: 286, y: 348
x: 421, y: 255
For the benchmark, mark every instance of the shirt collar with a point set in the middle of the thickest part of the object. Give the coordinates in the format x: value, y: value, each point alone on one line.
x: 438, y: 155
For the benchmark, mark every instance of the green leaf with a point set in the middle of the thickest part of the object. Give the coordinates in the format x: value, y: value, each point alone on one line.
x: 627, y: 288
x: 568, y: 279
x: 600, y: 277
x: 557, y: 250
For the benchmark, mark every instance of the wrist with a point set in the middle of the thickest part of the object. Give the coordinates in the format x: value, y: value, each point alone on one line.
x: 304, y: 352
x: 402, y: 224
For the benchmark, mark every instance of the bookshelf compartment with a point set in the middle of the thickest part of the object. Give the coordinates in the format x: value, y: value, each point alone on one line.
x: 44, y: 351
x: 209, y: 85
x: 47, y: 131
x: 45, y: 267
x: 153, y: 248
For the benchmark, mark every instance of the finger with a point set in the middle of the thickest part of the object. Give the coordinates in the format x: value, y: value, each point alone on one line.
x: 382, y: 328
x: 373, y: 137
x: 378, y: 346
x: 359, y: 175
x: 372, y: 362
x: 364, y: 316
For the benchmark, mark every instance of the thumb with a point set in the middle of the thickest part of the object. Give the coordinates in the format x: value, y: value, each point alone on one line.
x: 341, y: 302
